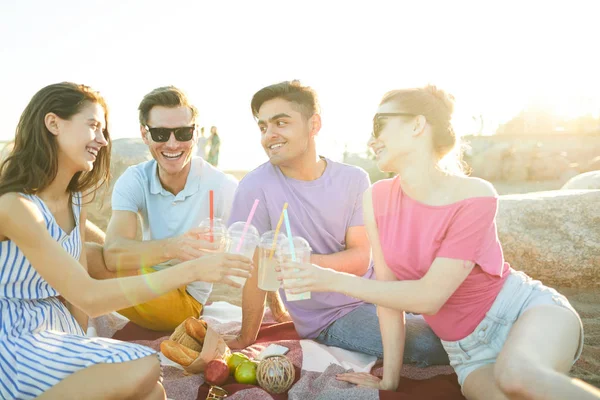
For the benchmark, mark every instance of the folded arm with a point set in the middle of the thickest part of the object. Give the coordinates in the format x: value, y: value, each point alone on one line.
x: 122, y: 251
x: 354, y: 259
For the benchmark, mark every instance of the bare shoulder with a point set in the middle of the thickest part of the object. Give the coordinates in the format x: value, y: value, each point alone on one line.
x: 10, y: 202
x: 14, y: 207
x: 470, y: 187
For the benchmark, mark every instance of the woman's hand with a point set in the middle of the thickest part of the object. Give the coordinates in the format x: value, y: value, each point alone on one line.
x: 364, y: 379
x: 219, y: 267
x: 305, y: 277
x: 193, y: 244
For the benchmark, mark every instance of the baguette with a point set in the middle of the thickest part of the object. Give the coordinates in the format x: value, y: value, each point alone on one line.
x: 180, y: 336
x: 178, y: 353
x: 196, y: 328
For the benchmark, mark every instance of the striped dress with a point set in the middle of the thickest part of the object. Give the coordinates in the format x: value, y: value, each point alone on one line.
x: 40, y: 341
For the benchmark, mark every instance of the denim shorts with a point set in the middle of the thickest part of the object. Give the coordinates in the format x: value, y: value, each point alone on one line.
x: 518, y: 294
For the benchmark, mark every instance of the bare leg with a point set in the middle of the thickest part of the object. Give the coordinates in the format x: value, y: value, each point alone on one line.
x: 538, y: 353
x: 480, y: 384
x: 129, y: 380
x: 158, y: 393
x: 277, y: 308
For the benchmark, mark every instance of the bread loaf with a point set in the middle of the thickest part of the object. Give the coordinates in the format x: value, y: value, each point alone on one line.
x: 196, y: 328
x: 178, y: 353
x: 180, y: 336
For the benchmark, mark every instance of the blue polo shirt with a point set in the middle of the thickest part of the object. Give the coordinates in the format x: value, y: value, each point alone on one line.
x: 166, y: 215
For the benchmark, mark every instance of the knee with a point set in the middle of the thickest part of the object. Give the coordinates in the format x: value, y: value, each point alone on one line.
x: 514, y: 376
x: 147, y: 374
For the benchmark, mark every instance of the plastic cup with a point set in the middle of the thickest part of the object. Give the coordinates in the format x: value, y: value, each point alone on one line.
x: 242, y: 243
x: 218, y: 236
x: 302, y: 252
x: 267, y: 276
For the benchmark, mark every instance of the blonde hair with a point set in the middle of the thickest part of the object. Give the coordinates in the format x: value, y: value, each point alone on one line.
x: 437, y: 106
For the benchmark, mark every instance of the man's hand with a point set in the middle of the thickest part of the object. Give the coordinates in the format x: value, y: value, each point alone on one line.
x: 191, y: 245
x: 277, y: 308
x: 237, y: 343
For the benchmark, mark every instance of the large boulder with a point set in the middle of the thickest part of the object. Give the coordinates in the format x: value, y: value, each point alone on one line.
x: 125, y: 153
x: 553, y: 236
x: 589, y: 180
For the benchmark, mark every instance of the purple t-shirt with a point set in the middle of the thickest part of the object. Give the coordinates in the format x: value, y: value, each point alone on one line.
x: 321, y: 211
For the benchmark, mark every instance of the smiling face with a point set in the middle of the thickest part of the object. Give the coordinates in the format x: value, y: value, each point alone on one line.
x: 286, y: 134
x: 81, y: 137
x: 396, y: 134
x: 173, y: 157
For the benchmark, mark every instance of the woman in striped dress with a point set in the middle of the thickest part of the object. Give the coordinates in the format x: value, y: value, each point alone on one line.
x: 62, y: 149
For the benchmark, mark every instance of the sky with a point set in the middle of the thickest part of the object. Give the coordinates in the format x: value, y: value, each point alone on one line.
x: 495, y: 57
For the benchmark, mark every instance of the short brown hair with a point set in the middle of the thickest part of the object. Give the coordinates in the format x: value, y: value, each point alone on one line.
x: 166, y: 96
x: 304, y: 97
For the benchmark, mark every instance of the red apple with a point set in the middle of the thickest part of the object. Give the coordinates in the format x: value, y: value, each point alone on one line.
x: 216, y: 372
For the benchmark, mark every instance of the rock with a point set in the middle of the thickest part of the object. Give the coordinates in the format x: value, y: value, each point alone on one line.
x: 515, y: 166
x: 553, y: 236
x: 125, y: 153
x: 588, y: 180
x: 487, y: 164
x: 546, y: 166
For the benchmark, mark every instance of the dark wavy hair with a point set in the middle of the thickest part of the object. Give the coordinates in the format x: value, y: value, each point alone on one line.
x: 303, y: 97
x: 33, y: 162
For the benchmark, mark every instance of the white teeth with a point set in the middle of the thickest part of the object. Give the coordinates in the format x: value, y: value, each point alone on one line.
x: 275, y: 146
x: 94, y: 152
x: 172, y: 155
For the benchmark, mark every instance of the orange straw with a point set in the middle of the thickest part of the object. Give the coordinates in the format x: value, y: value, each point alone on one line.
x: 277, y: 231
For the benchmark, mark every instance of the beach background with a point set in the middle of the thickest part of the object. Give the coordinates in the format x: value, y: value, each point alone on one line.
x: 524, y: 75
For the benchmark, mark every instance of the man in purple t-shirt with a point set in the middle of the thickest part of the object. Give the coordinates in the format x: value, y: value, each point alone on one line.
x: 325, y: 208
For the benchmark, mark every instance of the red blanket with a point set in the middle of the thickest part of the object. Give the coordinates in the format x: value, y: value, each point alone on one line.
x: 416, y: 383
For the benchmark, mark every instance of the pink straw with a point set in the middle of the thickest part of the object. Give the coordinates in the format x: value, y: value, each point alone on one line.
x: 239, y: 246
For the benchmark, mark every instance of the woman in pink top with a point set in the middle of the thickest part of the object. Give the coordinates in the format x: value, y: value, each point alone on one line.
x: 436, y: 252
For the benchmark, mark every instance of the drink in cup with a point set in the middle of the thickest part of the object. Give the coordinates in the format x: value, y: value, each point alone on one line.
x: 216, y: 233
x: 267, y: 260
x: 297, y: 251
x: 243, y: 243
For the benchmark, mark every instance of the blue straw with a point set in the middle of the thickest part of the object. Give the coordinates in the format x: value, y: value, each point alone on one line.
x: 289, y: 234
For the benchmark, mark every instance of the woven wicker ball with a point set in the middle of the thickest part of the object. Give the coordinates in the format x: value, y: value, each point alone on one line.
x: 275, y: 374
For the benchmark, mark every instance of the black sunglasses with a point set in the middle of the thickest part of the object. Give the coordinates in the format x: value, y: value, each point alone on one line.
x: 378, y: 124
x: 182, y: 134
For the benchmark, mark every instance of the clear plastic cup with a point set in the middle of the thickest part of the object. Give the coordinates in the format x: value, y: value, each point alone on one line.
x: 301, y: 254
x: 216, y: 233
x: 240, y: 243
x: 267, y: 276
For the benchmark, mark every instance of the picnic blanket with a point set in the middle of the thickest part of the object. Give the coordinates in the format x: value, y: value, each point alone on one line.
x: 316, y: 365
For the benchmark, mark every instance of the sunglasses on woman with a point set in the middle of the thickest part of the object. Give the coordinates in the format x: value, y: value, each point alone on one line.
x: 378, y: 124
x: 182, y: 134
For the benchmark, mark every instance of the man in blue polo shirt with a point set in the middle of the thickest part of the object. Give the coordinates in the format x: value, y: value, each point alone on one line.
x: 171, y: 196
